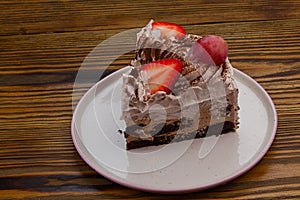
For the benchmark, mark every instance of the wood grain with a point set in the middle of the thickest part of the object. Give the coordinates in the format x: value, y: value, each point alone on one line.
x: 42, y: 47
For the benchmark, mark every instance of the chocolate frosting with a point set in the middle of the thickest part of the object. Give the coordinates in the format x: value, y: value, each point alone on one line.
x: 204, y: 92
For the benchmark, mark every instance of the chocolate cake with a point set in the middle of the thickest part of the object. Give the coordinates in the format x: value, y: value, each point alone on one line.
x: 180, y: 87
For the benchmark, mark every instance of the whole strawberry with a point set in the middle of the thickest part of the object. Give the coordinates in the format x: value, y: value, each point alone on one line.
x: 210, y: 49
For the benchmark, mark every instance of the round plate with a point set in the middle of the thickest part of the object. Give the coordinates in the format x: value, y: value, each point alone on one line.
x: 95, y: 125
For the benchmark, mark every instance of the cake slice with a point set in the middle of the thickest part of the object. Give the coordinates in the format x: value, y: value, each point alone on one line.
x: 180, y: 87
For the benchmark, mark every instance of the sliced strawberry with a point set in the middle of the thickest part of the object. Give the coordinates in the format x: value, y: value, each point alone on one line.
x: 161, y: 75
x: 169, y: 29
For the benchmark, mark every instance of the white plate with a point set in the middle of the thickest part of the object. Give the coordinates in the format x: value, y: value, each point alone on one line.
x: 177, y: 169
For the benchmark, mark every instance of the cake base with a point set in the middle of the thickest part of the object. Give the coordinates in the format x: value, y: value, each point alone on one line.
x: 161, y: 137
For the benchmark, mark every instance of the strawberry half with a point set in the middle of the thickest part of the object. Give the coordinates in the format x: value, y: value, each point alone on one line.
x: 161, y: 75
x: 169, y: 29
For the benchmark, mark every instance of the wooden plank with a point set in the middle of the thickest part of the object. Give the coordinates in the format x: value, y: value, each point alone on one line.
x: 64, y: 16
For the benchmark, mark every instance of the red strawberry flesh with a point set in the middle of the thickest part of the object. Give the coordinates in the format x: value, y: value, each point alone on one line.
x: 169, y: 29
x: 162, y: 75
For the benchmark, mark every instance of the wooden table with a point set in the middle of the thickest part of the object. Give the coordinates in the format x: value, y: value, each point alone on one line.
x: 43, y: 43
